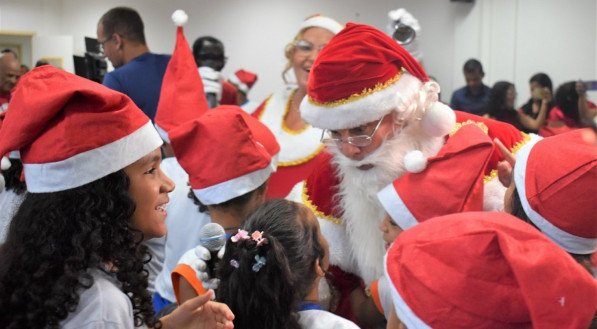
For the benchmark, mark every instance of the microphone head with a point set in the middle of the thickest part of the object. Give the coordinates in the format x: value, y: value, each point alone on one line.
x: 212, y: 236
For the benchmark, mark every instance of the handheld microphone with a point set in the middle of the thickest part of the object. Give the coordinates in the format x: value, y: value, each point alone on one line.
x: 212, y: 100
x: 213, y: 237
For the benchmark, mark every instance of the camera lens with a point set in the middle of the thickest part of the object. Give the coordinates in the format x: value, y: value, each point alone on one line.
x: 404, y: 34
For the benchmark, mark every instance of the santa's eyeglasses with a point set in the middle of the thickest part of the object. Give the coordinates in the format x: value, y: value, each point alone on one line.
x: 333, y: 136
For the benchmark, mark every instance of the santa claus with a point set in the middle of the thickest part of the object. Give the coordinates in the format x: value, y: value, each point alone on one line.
x: 375, y: 104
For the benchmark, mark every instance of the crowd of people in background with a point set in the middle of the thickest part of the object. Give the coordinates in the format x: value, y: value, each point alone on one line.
x: 351, y: 197
x: 545, y: 113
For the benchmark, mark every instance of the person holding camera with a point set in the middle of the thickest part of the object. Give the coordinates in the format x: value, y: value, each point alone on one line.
x: 210, y: 59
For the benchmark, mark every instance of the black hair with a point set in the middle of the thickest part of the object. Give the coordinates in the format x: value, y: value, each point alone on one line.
x: 236, y: 204
x: 496, y: 104
x: 543, y: 80
x: 10, y: 51
x: 270, y: 296
x: 472, y: 66
x: 12, y: 177
x: 518, y: 211
x: 125, y: 22
x: 53, y: 242
x: 566, y: 98
x: 209, y: 51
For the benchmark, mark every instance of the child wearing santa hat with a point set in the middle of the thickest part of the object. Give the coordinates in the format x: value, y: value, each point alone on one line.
x: 485, y: 270
x: 73, y: 257
x: 449, y: 182
x: 229, y: 157
x: 559, y: 198
x: 226, y: 157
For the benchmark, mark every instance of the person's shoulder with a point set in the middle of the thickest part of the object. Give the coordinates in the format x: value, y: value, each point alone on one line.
x: 101, y: 304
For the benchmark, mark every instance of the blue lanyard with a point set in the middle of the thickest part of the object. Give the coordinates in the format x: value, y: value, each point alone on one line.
x: 306, y: 306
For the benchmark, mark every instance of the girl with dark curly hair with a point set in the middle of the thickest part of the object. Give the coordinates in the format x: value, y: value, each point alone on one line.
x: 271, y: 270
x: 73, y: 256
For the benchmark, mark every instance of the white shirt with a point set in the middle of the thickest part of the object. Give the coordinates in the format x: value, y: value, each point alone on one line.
x: 319, y: 319
x: 102, y: 306
x: 184, y: 221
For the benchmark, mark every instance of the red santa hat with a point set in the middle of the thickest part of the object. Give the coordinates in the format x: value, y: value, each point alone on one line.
x: 243, y: 80
x: 450, y: 182
x: 486, y: 270
x: 362, y: 75
x: 323, y: 22
x: 226, y: 152
x: 181, y: 98
x: 71, y: 131
x: 556, y: 180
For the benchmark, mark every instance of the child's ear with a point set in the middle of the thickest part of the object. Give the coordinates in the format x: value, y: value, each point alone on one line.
x: 320, y: 272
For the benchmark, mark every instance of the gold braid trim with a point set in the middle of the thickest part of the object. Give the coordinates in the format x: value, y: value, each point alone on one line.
x: 366, y: 92
x: 459, y: 125
x: 307, y: 202
x: 525, y: 139
x: 286, y: 110
x: 265, y: 106
x: 303, y: 160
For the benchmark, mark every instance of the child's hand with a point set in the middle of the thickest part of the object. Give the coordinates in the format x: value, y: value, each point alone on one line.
x: 200, y: 312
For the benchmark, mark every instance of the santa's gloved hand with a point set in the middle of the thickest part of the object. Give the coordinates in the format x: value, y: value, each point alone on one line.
x: 212, y: 81
x: 197, y: 259
x: 406, y: 18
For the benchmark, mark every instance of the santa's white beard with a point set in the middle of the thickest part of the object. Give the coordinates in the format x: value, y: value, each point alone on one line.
x: 361, y: 210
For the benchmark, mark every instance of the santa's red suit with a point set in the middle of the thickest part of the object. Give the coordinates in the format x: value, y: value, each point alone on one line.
x: 384, y: 80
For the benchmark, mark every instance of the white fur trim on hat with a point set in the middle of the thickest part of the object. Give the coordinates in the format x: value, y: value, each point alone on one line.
x: 395, y: 207
x: 233, y: 188
x: 163, y: 134
x: 569, y: 242
x: 403, y: 311
x: 322, y: 22
x: 179, y: 17
x: 91, y: 165
x: 4, y: 163
x: 361, y: 111
x: 239, y: 84
x: 415, y: 161
x: 438, y: 120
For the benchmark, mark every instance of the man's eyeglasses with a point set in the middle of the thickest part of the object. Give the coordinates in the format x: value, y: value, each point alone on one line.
x: 306, y: 47
x: 100, y: 44
x: 358, y: 141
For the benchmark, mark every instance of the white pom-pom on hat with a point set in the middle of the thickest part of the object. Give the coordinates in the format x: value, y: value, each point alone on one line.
x: 415, y: 161
x: 179, y: 17
x: 438, y: 120
x: 4, y: 163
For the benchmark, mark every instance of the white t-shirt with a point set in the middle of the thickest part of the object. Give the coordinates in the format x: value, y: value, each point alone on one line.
x: 184, y: 221
x: 9, y: 204
x: 102, y: 306
x: 319, y: 319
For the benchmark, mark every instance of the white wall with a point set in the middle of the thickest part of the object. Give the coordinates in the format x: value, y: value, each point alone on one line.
x: 512, y: 38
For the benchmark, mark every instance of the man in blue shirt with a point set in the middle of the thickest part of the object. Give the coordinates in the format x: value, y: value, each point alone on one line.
x: 472, y: 98
x: 138, y: 72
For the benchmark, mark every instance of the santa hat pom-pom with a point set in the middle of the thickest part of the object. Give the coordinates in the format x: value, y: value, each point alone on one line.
x: 4, y: 163
x: 179, y: 17
x: 415, y: 161
x: 438, y: 120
